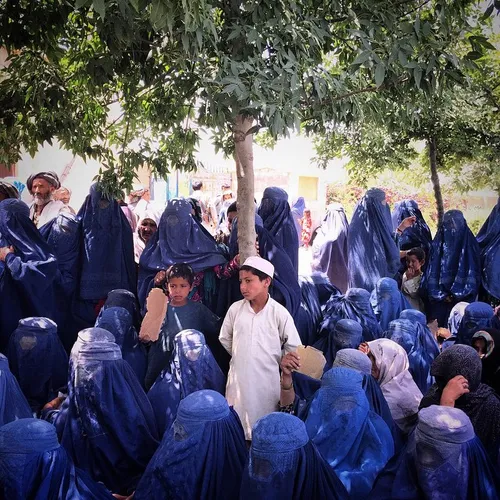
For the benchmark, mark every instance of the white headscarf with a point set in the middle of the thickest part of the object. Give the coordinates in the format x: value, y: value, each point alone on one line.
x: 139, y: 244
x: 400, y: 391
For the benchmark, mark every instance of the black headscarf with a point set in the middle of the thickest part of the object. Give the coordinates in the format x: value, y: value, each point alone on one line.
x: 481, y: 404
x: 50, y: 177
x: 491, y: 360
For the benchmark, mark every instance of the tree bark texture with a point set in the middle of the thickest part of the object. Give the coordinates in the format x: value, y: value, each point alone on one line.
x: 433, y: 162
x: 243, y: 155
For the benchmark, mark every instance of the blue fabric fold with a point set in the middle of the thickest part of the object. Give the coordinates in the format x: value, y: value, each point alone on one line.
x: 417, y: 235
x: 108, y: 247
x: 355, y: 305
x: 191, y: 368
x: 310, y: 314
x: 201, y: 456
x: 127, y: 300
x: 13, y: 404
x: 329, y: 249
x: 27, y: 276
x: 355, y: 441
x: 477, y: 316
x: 373, y: 253
x: 278, y: 220
x: 284, y: 464
x: 33, y: 465
x: 489, y: 243
x: 388, y: 302
x: 38, y: 360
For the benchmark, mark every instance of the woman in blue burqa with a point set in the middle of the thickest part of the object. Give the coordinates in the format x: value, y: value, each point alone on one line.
x: 330, y: 251
x: 419, y: 234
x: 107, y: 254
x: 38, y: 360
x: 64, y: 235
x: 373, y: 253
x: 191, y: 368
x: 388, y: 302
x: 34, y: 465
x: 297, y: 211
x: 278, y: 220
x: 489, y: 243
x: 180, y: 238
x: 453, y: 272
x: 27, y: 269
x: 443, y: 459
x: 354, y: 440
x: 284, y: 463
x: 458, y: 371
x: 13, y: 404
x: 355, y: 305
x: 106, y: 425
x: 201, y: 456
x: 477, y: 316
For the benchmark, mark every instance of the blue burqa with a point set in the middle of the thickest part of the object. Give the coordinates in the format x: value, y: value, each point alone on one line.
x: 355, y: 305
x: 275, y: 212
x: 343, y: 334
x: 477, y: 316
x: 13, y: 404
x: 201, y: 456
x: 107, y: 424
x: 34, y: 465
x: 454, y: 269
x: 373, y: 253
x: 329, y: 250
x: 420, y: 322
x: 417, y: 235
x: 406, y: 333
x: 310, y: 315
x: 443, y: 459
x: 354, y: 440
x: 180, y: 238
x: 108, y: 248
x: 127, y: 300
x: 191, y: 369
x: 64, y: 236
x: 119, y: 322
x: 388, y: 302
x: 38, y: 360
x: 285, y: 464
x: 285, y: 288
x: 489, y: 243
x: 297, y: 211
x: 27, y: 275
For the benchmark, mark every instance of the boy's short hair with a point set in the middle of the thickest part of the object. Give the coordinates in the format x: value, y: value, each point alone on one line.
x: 196, y: 185
x: 417, y: 252
x: 262, y: 276
x: 181, y: 271
x: 232, y: 207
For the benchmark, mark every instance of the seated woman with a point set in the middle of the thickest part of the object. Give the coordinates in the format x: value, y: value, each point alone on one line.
x: 487, y: 344
x: 390, y: 367
x: 457, y: 371
x: 285, y: 464
x: 477, y: 315
x: 34, y: 465
x: 443, y: 459
x: 354, y: 440
x: 107, y: 424
x: 201, y: 456
x: 191, y: 369
x: 13, y: 404
x: 38, y: 360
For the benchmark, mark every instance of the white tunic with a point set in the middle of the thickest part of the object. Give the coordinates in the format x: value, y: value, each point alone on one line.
x: 49, y: 212
x: 256, y: 342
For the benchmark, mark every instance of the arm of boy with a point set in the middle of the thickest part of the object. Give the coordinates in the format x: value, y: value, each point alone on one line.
x: 226, y: 332
x: 289, y: 335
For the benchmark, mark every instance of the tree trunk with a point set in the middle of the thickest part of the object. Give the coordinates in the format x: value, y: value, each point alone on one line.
x: 432, y: 148
x: 243, y: 155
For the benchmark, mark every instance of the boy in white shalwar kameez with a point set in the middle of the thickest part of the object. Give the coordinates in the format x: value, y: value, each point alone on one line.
x: 257, y: 332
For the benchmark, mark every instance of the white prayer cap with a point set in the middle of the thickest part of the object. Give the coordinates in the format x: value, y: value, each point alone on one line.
x: 261, y: 264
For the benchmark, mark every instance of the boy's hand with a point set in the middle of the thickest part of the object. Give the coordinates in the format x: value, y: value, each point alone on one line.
x: 290, y: 362
x: 160, y: 278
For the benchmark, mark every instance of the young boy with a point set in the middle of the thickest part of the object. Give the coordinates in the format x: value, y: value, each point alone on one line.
x: 255, y: 332
x: 415, y: 259
x: 182, y: 314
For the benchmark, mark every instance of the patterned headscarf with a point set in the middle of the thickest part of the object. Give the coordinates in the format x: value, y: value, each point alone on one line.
x: 50, y: 177
x: 8, y: 190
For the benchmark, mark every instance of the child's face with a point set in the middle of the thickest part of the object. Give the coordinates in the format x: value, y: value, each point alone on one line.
x: 178, y: 291
x: 413, y: 263
x: 251, y: 287
x: 479, y: 345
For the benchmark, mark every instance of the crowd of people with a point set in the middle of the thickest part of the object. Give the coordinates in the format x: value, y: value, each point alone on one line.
x: 142, y: 358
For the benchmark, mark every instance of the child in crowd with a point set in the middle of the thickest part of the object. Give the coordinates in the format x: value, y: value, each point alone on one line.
x: 182, y: 314
x: 256, y: 331
x: 415, y: 259
x: 306, y: 223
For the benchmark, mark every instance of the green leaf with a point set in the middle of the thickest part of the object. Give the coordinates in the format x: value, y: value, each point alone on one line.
x: 135, y: 4
x: 403, y: 60
x: 363, y: 57
x: 417, y: 74
x: 100, y: 7
x: 158, y: 15
x: 81, y: 3
x: 379, y: 74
